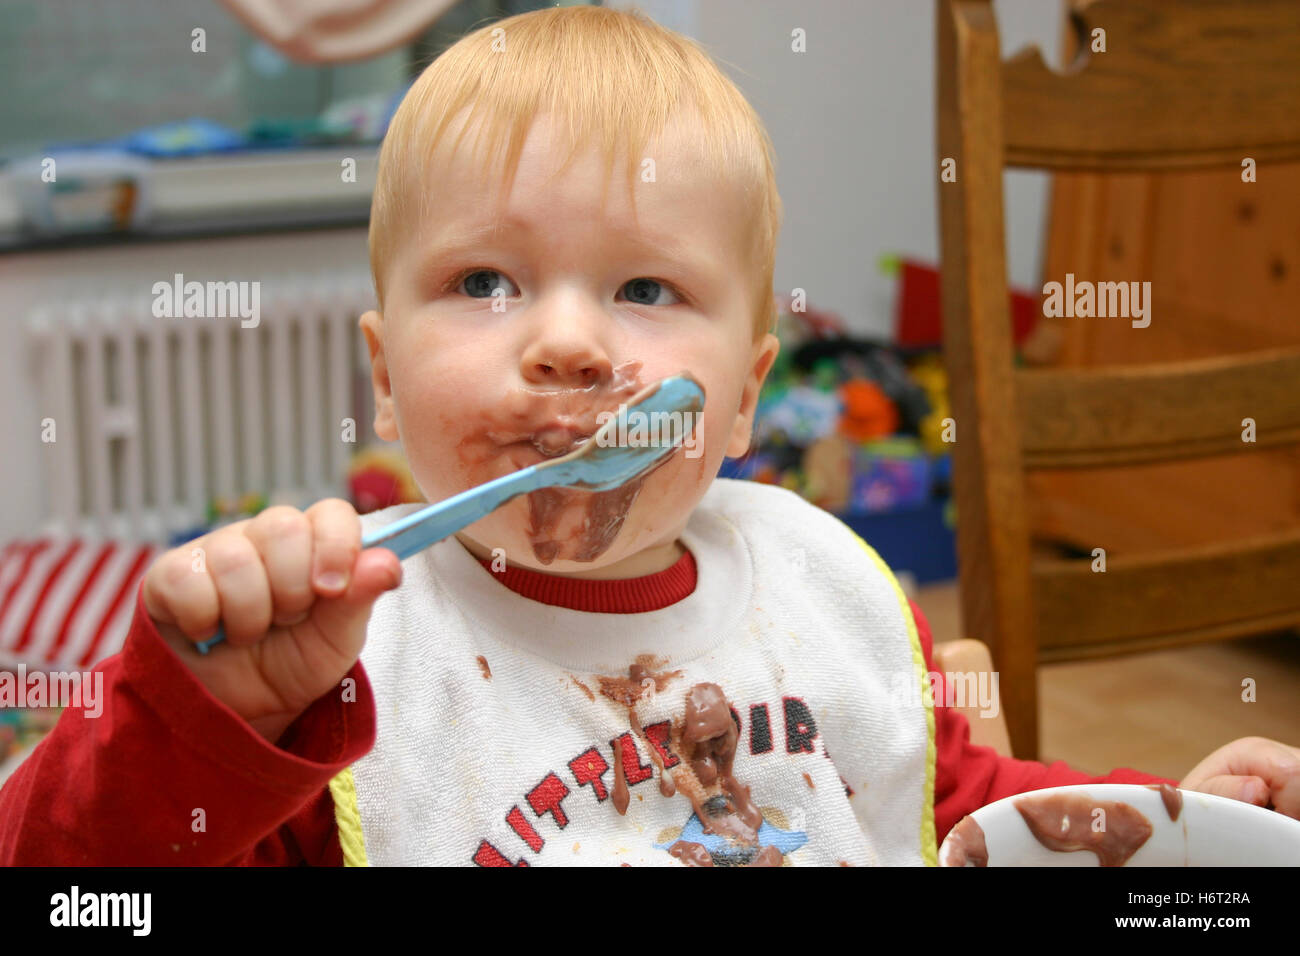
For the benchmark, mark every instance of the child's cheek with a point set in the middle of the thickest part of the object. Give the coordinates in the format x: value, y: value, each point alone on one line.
x: 434, y: 420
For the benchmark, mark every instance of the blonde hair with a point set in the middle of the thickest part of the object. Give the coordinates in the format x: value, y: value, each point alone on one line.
x: 609, y: 76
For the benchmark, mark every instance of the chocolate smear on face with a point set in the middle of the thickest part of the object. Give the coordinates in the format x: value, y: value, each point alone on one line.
x: 595, y: 517
x: 1172, y: 797
x: 965, y: 844
x: 568, y: 524
x: 589, y: 538
x: 1064, y: 822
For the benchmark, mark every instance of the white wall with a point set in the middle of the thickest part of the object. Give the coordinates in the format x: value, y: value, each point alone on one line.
x: 852, y: 122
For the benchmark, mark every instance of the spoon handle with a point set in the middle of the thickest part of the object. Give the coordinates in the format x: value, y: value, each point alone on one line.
x: 428, y: 526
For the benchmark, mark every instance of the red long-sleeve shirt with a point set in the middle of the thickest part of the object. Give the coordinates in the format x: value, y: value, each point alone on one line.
x: 168, y: 775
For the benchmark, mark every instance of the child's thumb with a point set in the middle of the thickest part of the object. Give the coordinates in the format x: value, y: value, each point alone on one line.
x: 344, y: 617
x: 1246, y: 789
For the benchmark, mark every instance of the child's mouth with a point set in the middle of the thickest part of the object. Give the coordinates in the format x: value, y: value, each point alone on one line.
x: 555, y: 421
x: 539, y: 446
x: 565, y: 523
x: 553, y: 441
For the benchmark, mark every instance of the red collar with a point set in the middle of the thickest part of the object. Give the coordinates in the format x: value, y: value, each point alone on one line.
x: 619, y: 596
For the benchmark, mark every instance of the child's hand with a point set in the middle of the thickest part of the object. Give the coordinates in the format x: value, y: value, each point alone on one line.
x: 1254, y: 770
x: 293, y: 591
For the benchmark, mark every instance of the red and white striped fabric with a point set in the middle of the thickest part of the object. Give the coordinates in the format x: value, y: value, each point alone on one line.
x: 66, y: 602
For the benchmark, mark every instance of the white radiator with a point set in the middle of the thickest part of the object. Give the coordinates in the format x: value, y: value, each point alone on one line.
x: 152, y: 418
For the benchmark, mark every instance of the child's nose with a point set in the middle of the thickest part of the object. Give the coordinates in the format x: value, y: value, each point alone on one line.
x: 570, y: 373
x: 573, y: 360
x: 564, y: 332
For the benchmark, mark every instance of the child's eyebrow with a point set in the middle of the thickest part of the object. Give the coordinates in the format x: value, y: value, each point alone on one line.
x: 456, y: 240
x: 695, y: 259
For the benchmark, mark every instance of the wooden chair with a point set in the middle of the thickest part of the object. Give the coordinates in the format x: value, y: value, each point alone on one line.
x: 1198, y: 83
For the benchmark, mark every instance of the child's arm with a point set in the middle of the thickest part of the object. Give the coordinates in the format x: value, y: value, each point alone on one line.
x: 124, y: 787
x: 197, y: 758
x: 968, y: 776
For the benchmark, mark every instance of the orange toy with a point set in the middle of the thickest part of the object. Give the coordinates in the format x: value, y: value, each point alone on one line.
x: 868, y: 412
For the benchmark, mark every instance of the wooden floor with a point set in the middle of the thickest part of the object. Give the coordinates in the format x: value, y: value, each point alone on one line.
x: 1160, y: 712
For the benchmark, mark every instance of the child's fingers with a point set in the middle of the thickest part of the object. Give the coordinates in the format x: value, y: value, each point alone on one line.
x: 242, y: 587
x: 1248, y: 789
x: 1275, y: 764
x: 179, y: 591
x: 344, y: 619
x: 283, y: 537
x: 336, y: 542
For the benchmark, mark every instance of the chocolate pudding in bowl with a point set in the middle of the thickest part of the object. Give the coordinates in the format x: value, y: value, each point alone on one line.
x: 1115, y: 824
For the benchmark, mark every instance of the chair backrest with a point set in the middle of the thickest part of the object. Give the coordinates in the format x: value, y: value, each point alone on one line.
x: 1195, y: 83
x: 1186, y: 83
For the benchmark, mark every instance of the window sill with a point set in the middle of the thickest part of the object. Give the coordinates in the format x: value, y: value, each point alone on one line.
x: 225, y: 194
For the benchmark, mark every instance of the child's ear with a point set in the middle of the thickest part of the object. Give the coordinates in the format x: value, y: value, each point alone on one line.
x: 765, y: 352
x: 372, y: 327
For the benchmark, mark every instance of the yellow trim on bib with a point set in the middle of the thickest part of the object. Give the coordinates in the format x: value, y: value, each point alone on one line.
x: 348, y: 818
x: 929, y: 840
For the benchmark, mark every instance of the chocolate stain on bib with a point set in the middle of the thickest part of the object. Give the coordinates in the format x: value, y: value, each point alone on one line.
x: 705, y: 740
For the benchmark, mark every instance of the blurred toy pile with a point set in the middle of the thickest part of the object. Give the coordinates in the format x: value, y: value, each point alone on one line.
x: 852, y: 425
x: 862, y: 428
x: 379, y: 477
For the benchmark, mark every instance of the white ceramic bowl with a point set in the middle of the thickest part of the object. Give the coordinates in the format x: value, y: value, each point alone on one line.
x: 1209, y: 830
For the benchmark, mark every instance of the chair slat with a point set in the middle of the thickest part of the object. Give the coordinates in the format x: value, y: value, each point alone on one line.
x: 1272, y: 624
x: 1218, y: 590
x: 1194, y: 83
x: 1093, y: 417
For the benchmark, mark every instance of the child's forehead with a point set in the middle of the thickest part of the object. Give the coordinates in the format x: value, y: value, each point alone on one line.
x: 671, y: 185
x: 550, y: 153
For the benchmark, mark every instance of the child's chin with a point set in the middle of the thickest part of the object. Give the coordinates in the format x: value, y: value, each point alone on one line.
x: 565, y: 547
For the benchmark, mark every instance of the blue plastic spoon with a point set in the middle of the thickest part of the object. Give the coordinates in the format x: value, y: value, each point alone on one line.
x: 599, y: 464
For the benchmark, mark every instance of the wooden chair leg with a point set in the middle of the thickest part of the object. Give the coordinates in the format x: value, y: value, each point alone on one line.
x: 1018, y: 678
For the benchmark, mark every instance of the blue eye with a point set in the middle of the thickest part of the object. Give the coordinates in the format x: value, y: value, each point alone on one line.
x: 478, y: 284
x: 483, y: 283
x: 646, y: 292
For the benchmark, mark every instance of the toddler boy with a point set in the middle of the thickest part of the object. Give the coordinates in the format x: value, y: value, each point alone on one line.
x: 571, y: 204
